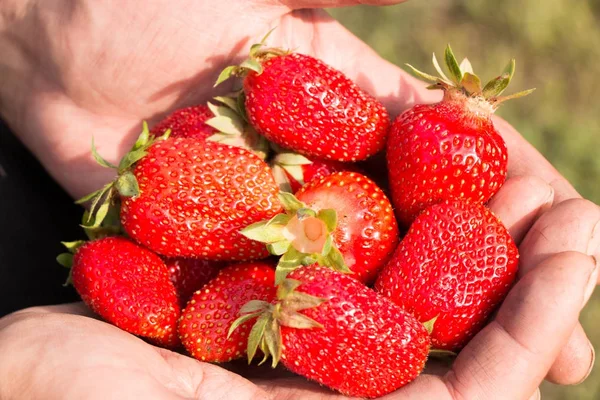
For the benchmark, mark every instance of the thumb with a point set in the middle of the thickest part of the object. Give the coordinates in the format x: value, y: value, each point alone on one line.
x: 189, y: 377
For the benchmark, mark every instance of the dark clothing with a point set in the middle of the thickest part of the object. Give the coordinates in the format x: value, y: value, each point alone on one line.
x: 35, y: 215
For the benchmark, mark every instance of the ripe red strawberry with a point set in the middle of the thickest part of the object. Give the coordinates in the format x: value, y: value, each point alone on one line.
x: 189, y: 275
x: 189, y: 122
x: 449, y: 150
x: 189, y: 198
x: 211, y: 311
x: 456, y: 263
x: 302, y: 104
x: 292, y: 171
x: 221, y: 123
x: 129, y: 287
x: 336, y: 331
x: 343, y: 221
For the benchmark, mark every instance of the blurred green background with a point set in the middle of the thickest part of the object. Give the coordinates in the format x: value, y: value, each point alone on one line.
x: 557, y: 47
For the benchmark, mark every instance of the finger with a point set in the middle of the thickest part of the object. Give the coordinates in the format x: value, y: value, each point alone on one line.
x: 573, y: 225
x: 519, y: 202
x: 207, y: 381
x: 509, y: 358
x: 315, y: 32
x: 524, y: 159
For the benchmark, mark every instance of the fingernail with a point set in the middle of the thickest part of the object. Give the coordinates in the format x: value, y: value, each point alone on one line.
x: 594, y: 243
x: 536, y: 396
x: 592, y: 282
x: 591, y: 368
x: 547, y: 205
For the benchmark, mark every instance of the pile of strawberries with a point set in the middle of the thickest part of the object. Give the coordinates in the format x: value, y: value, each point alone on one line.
x: 249, y: 227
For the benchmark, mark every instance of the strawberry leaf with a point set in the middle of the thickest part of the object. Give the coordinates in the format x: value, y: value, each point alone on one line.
x: 291, y: 159
x: 429, y: 325
x: 286, y: 287
x: 144, y: 137
x: 279, y: 248
x: 297, y: 301
x: 296, y: 172
x: 90, y: 196
x: 99, y: 158
x: 230, y: 102
x: 131, y: 158
x: 270, y: 231
x: 241, y: 105
x: 452, y: 65
x: 226, y: 124
x: 282, y: 179
x: 256, y: 334
x: 496, y: 86
x: 227, y: 73
x: 100, y: 214
x: 471, y: 83
x: 329, y: 216
x: 299, y: 321
x: 240, y: 321
x: 423, y: 75
x: 290, y: 203
x: 73, y: 246
x: 252, y: 65
x: 514, y: 96
x: 65, y: 259
x: 127, y: 185
x: 272, y: 338
x: 466, y: 67
x: 439, y: 70
x: 335, y: 260
x: 254, y: 306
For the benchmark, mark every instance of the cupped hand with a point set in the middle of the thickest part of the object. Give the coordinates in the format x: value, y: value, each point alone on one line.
x: 76, y: 69
x: 61, y: 352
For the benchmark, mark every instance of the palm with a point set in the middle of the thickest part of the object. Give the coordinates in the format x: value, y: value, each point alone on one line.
x: 153, y: 62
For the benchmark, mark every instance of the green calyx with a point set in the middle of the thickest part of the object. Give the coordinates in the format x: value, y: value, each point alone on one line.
x: 258, y: 54
x: 66, y: 259
x: 266, y: 332
x: 233, y: 128
x: 300, y: 236
x: 103, y: 201
x: 429, y: 325
x: 461, y: 77
x: 290, y: 163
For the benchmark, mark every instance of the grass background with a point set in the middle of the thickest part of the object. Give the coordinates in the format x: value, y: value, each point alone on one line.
x: 557, y: 47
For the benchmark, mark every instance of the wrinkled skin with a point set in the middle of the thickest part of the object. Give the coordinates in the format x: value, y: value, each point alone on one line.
x: 73, y: 69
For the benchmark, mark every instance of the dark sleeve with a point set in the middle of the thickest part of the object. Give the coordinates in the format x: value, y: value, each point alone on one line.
x: 35, y: 215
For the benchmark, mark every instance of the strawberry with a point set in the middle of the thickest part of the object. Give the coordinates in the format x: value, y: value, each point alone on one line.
x: 292, y: 171
x: 222, y: 123
x: 334, y: 330
x: 343, y: 221
x: 189, y: 275
x: 302, y: 104
x: 126, y: 285
x: 211, y: 311
x: 449, y: 150
x: 455, y: 265
x: 189, y: 198
x: 189, y: 122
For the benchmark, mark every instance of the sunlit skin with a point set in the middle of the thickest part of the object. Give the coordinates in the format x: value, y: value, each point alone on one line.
x: 73, y: 69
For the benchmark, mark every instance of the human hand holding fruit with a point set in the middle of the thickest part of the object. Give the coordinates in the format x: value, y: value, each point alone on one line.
x: 107, y: 135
